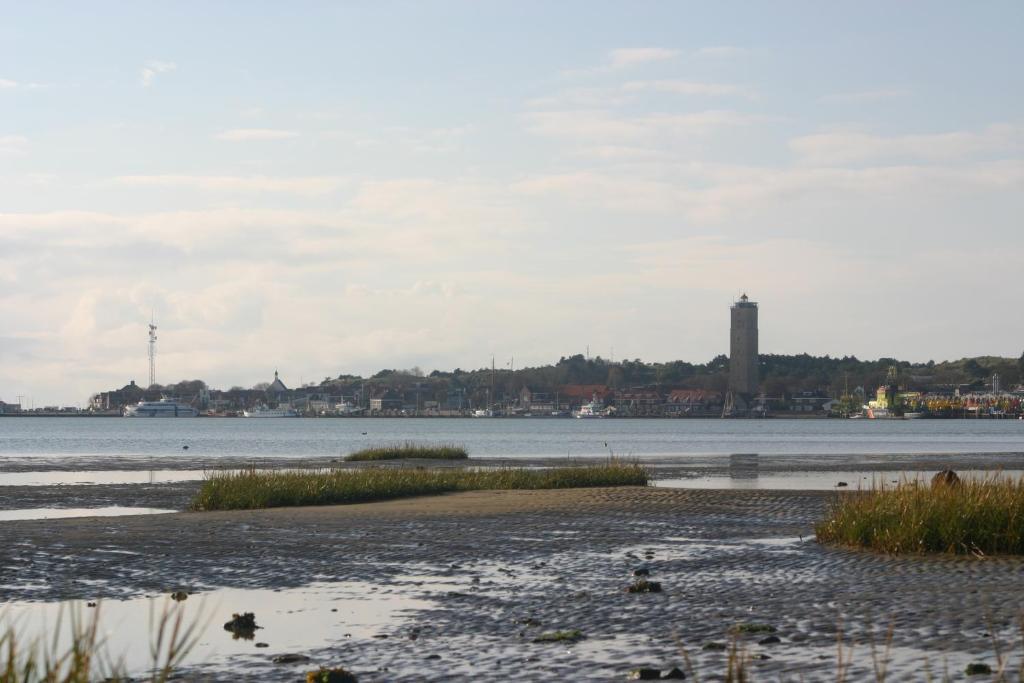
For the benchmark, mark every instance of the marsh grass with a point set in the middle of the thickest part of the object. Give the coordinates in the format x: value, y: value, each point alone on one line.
x: 409, y: 451
x: 251, y: 488
x: 975, y: 517
x: 84, y: 658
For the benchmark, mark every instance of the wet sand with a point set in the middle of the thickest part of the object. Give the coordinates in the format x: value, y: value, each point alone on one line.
x: 499, y: 568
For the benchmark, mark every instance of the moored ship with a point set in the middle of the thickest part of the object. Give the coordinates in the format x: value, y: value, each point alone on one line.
x: 263, y: 411
x: 165, y: 407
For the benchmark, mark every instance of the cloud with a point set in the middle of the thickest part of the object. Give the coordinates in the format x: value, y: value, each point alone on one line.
x: 605, y: 126
x: 6, y: 83
x: 679, y: 87
x: 625, y: 58
x: 308, y: 186
x: 721, y: 51
x: 243, y: 134
x: 854, y: 147
x: 632, y: 56
x: 13, y: 144
x: 867, y: 95
x: 151, y: 69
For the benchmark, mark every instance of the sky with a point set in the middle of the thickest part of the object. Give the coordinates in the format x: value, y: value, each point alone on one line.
x: 340, y: 187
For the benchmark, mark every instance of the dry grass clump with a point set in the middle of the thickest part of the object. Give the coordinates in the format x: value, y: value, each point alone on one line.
x: 979, y: 517
x: 85, y: 658
x: 408, y: 451
x: 249, y: 489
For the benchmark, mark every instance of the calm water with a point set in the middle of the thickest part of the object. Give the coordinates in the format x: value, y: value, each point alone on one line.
x: 506, y: 438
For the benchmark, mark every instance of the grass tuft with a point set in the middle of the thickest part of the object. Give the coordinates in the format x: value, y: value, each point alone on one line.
x: 559, y: 636
x: 251, y: 489
x: 85, y: 658
x: 976, y: 517
x: 409, y: 451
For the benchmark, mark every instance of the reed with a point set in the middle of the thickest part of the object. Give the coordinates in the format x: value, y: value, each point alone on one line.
x: 976, y: 517
x: 249, y: 489
x: 84, y: 657
x: 409, y: 451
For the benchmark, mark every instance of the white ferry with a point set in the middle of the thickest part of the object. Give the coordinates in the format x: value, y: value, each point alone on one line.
x: 165, y: 407
x: 590, y: 411
x: 263, y: 411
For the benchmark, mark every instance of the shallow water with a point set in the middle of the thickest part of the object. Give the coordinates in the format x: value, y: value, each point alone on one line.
x: 295, y: 620
x: 819, y: 481
x: 61, y: 478
x: 57, y: 513
x: 499, y: 437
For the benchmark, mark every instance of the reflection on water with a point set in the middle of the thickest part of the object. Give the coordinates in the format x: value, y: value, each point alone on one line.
x: 748, y: 478
x: 298, y: 619
x: 743, y: 466
x: 55, y: 513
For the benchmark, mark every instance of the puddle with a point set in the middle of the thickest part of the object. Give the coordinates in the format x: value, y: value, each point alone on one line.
x: 817, y: 481
x: 58, y: 513
x: 294, y: 620
x: 98, y: 477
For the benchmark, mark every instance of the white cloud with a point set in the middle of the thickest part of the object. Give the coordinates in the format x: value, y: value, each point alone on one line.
x: 6, y: 83
x: 867, y: 95
x: 680, y: 87
x: 854, y: 147
x: 151, y: 69
x: 604, y: 126
x: 13, y: 144
x: 625, y: 58
x: 632, y: 56
x: 721, y: 51
x: 309, y: 186
x: 242, y: 134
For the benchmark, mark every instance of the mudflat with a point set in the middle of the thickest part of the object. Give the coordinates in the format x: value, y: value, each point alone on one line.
x: 492, y: 571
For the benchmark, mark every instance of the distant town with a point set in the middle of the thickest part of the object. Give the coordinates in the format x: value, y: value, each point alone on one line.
x: 743, y: 384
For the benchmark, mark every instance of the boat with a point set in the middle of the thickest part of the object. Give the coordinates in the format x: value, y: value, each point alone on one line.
x: 483, y: 413
x: 912, y: 416
x: 264, y: 411
x: 592, y: 410
x: 165, y: 407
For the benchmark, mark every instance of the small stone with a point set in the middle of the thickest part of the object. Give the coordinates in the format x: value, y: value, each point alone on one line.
x: 675, y: 674
x: 769, y: 640
x: 90, y: 604
x: 262, y: 644
x: 644, y: 586
x: 841, y: 484
x: 290, y: 659
x: 433, y: 656
x: 178, y: 596
x: 978, y: 668
x: 242, y: 626
x: 644, y: 675
x: 337, y: 675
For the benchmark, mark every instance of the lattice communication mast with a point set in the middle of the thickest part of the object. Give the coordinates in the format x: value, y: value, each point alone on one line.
x: 152, y: 352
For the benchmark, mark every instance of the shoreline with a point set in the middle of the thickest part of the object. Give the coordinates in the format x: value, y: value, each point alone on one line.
x: 491, y: 570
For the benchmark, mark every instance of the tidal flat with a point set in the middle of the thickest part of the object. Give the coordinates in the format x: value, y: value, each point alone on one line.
x: 464, y: 586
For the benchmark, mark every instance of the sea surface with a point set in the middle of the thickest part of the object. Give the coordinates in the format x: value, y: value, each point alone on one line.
x: 500, y: 437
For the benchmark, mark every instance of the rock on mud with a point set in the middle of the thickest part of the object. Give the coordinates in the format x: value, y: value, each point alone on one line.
x: 644, y: 586
x: 242, y: 626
